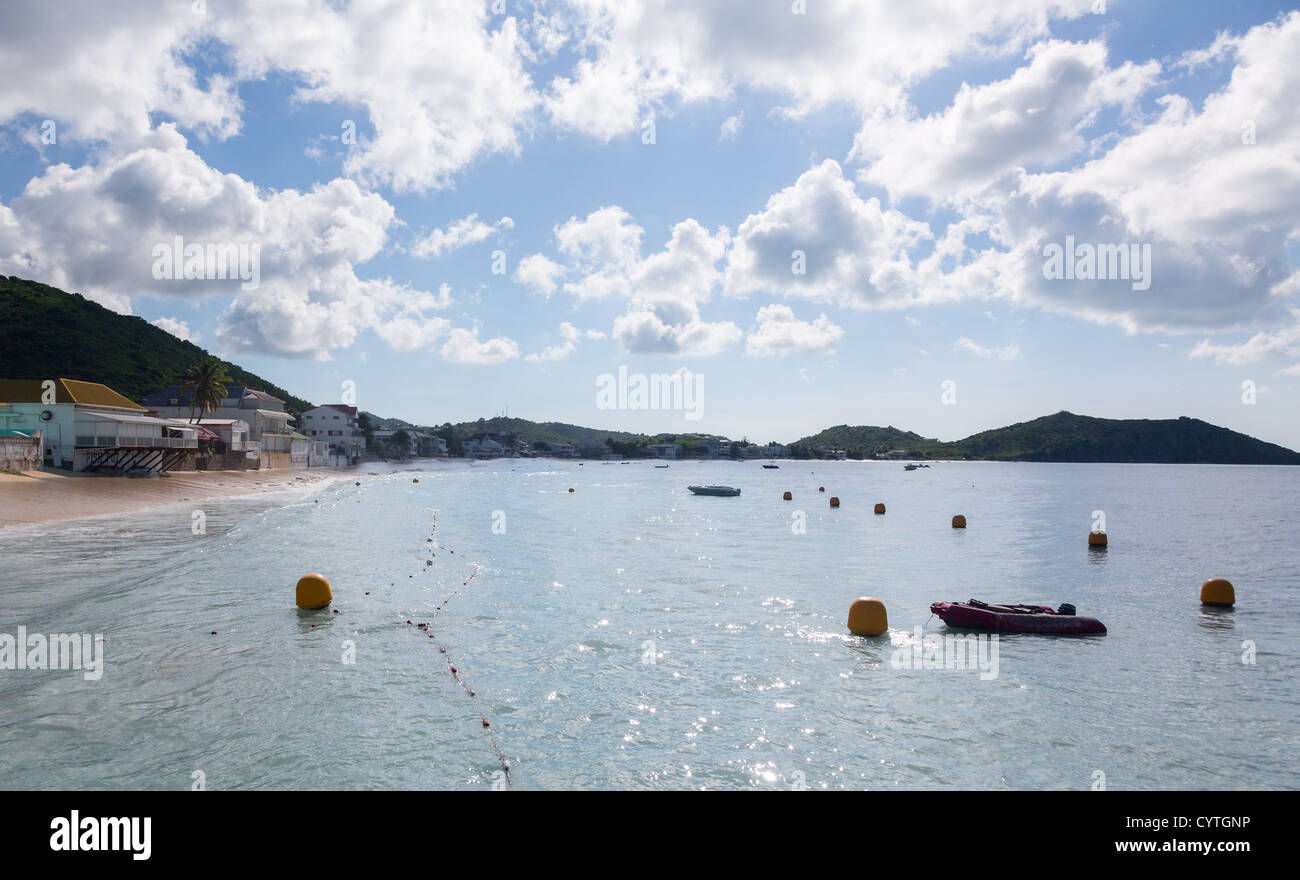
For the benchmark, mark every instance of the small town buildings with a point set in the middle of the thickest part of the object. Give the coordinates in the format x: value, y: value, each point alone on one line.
x: 664, y: 450
x: 336, y: 425
x: 269, y: 425
x: 87, y: 426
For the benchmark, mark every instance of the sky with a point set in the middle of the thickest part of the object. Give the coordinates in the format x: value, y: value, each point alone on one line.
x: 816, y: 213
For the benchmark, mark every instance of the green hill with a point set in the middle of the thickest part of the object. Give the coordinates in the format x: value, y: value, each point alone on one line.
x: 48, y: 333
x: 866, y: 439
x: 1069, y: 437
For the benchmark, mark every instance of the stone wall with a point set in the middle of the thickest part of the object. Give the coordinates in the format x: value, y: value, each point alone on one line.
x: 20, y: 453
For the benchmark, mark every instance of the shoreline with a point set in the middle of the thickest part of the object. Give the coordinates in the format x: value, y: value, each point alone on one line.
x: 51, y: 496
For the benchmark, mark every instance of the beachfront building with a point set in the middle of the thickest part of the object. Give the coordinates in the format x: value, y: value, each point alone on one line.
x: 664, y: 450
x: 484, y: 448
x: 394, y: 447
x: 268, y: 424
x: 336, y: 425
x: 90, y: 427
x: 430, y: 445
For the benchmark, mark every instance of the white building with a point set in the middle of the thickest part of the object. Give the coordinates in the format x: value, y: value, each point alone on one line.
x: 90, y: 427
x: 337, y: 426
x: 269, y: 425
x: 664, y: 450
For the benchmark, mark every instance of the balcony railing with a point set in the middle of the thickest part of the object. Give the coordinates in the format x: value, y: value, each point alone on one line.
x: 138, y: 442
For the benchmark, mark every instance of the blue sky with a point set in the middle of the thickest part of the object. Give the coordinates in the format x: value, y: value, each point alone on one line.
x: 919, y: 161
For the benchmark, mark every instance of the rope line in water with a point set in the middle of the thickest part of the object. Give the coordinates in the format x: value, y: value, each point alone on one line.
x: 451, y: 667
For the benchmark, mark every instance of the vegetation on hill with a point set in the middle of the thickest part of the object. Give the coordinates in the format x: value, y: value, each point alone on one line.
x: 1069, y: 437
x: 52, y: 334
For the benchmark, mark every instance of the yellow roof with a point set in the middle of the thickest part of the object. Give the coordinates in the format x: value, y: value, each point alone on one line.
x: 65, y: 391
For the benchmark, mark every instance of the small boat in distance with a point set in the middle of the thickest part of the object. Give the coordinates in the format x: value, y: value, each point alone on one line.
x: 714, y: 490
x: 910, y: 467
x: 661, y: 465
x: 771, y: 467
x: 1016, y: 618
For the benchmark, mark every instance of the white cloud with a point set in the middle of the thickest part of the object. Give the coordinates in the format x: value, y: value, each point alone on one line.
x: 179, y: 329
x: 95, y: 229
x: 436, y: 84
x: 539, y: 273
x: 779, y: 333
x: 570, y: 335
x: 1285, y: 342
x: 603, y: 248
x: 644, y: 332
x: 1218, y: 211
x: 466, y: 231
x: 100, y: 71
x: 639, y: 59
x: 731, y: 126
x: 849, y: 249
x: 1035, y: 117
x: 463, y: 347
x: 1005, y: 353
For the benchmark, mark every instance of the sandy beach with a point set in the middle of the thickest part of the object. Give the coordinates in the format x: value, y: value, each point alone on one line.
x: 45, y: 496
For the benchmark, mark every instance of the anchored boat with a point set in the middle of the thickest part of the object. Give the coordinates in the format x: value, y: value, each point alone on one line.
x: 1016, y: 618
x: 714, y: 490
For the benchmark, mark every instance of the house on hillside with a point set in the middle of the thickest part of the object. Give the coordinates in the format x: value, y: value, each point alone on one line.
x: 269, y: 425
x: 90, y: 427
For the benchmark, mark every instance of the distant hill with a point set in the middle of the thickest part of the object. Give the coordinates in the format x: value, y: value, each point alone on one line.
x: 591, y: 436
x: 50, y: 334
x: 866, y: 439
x: 1069, y: 437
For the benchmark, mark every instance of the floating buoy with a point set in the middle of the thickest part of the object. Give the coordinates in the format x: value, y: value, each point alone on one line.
x: 570, y: 488
x: 313, y: 591
x: 880, y: 507
x: 1218, y: 592
x: 867, y: 617
x: 821, y: 488
x: 787, y: 497
x: 1096, y: 539
x: 835, y: 501
x: 959, y: 522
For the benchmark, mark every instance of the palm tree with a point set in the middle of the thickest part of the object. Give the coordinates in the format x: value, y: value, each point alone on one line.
x: 207, y: 381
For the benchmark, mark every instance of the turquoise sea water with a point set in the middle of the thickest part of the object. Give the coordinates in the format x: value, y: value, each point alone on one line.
x: 631, y: 635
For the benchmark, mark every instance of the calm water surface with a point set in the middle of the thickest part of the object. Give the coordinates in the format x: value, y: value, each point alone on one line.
x: 631, y: 635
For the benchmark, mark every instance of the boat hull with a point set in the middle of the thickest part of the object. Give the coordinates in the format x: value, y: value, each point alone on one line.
x: 1040, y: 620
x: 721, y: 491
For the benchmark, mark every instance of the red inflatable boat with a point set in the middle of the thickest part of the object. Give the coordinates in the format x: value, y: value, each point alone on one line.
x: 1016, y: 618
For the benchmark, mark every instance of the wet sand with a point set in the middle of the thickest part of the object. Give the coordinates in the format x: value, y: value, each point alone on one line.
x: 45, y: 496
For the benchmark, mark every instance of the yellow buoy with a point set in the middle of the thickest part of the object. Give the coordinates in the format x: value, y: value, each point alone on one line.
x: 959, y: 522
x: 867, y: 617
x: 1096, y: 539
x: 1218, y: 591
x: 835, y: 501
x: 880, y: 507
x: 313, y: 591
x: 787, y: 497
